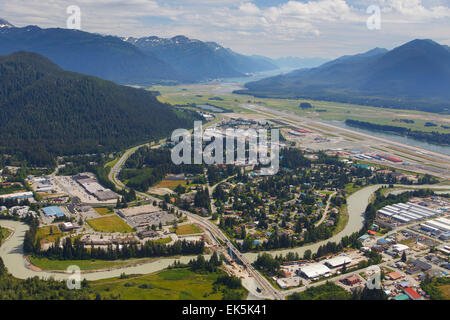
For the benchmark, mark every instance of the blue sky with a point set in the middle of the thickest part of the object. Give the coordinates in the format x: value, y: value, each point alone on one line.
x: 306, y: 28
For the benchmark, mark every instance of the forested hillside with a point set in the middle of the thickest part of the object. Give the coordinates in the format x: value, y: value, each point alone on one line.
x: 45, y: 111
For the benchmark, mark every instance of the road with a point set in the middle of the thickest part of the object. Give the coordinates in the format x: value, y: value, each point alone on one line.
x: 216, y: 234
x: 325, y: 213
x: 298, y: 121
x: 115, y: 170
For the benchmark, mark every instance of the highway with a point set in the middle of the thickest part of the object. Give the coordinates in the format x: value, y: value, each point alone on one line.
x: 216, y: 234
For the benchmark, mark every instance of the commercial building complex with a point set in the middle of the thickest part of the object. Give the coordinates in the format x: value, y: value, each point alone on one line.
x: 407, y: 212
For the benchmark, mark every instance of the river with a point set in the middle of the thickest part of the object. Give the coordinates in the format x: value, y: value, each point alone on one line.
x: 356, y: 204
x: 12, y: 253
x: 396, y: 137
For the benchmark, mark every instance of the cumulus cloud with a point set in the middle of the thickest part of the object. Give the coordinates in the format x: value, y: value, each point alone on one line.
x: 280, y: 28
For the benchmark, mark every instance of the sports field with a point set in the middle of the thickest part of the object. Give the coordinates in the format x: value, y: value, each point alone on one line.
x: 109, y: 224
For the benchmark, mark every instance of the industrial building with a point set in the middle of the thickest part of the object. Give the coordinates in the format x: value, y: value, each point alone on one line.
x: 92, y: 187
x: 412, y: 294
x: 53, y: 212
x: 338, y: 261
x: 407, y: 212
x: 314, y: 271
x: 17, y: 196
x: 399, y: 248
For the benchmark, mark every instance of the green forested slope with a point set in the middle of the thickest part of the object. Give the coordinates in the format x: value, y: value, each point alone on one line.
x: 45, y: 111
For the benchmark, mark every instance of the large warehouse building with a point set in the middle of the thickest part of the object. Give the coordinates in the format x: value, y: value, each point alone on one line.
x: 314, y: 271
x: 439, y: 224
x: 94, y: 188
x: 338, y: 261
x: 407, y: 212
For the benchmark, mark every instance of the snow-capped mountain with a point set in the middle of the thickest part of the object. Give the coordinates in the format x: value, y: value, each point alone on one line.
x: 5, y: 24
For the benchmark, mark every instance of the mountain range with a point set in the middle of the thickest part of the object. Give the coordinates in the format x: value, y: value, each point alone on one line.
x: 415, y: 75
x: 106, y: 57
x: 201, y: 60
x: 46, y: 111
x: 143, y: 61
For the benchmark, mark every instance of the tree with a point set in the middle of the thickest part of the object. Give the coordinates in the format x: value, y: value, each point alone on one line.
x: 305, y: 105
x: 307, y: 255
x: 404, y: 258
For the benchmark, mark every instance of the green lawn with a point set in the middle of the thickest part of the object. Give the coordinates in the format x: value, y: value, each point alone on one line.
x: 109, y: 224
x: 84, y: 265
x: 187, y: 229
x: 169, y: 284
x: 104, y: 211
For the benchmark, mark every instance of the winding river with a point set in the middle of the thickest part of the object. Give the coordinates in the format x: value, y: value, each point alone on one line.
x: 12, y: 253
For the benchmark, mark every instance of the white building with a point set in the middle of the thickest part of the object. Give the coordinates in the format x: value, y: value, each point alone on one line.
x: 314, y: 271
x: 399, y: 247
x: 338, y: 261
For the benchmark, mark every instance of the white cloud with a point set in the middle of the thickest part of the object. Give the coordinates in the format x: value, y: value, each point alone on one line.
x: 312, y: 27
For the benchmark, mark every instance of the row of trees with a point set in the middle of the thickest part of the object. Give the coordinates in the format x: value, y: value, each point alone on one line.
x: 79, y: 251
x: 431, y: 137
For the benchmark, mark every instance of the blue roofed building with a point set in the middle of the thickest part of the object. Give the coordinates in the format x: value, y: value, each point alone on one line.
x: 363, y: 237
x: 53, y: 212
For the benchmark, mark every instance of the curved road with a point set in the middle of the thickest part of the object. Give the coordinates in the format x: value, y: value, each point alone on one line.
x: 12, y: 254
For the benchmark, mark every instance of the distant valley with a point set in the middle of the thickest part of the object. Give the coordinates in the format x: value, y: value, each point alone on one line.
x: 415, y: 75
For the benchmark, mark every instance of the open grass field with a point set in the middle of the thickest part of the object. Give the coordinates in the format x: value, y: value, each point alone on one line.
x: 170, y: 184
x: 187, y: 229
x: 104, y: 211
x: 85, y: 265
x: 109, y: 224
x: 445, y: 289
x: 49, y: 233
x: 324, y: 110
x: 170, y: 284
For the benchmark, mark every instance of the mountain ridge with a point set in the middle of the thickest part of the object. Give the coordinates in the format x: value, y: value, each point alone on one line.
x: 415, y: 75
x: 201, y: 60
